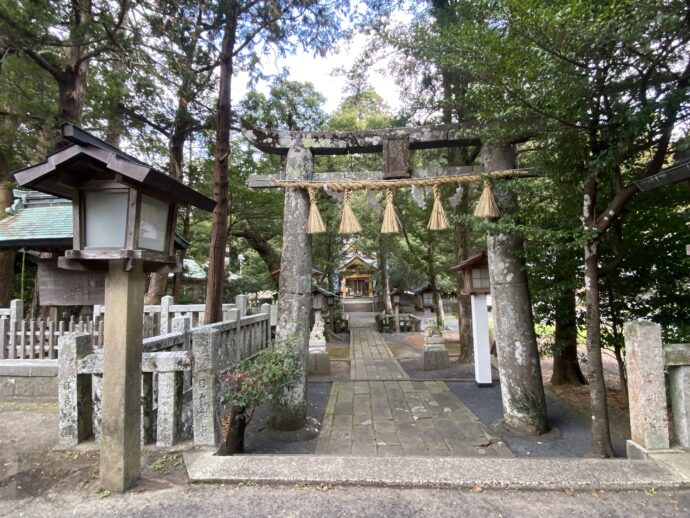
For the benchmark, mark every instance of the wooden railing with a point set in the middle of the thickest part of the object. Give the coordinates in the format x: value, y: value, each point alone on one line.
x: 38, y: 339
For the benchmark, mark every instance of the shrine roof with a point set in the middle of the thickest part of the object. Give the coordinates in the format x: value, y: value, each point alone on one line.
x: 474, y: 260
x: 43, y: 225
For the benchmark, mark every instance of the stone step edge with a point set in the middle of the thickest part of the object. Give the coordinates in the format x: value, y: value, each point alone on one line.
x: 435, y: 472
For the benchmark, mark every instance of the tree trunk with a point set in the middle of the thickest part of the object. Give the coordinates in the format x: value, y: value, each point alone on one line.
x: 566, y: 368
x: 158, y: 285
x: 466, y: 352
x: 72, y: 90
x: 179, y: 276
x: 522, y: 390
x: 219, y: 228
x: 234, y: 437
x: 601, y: 436
x: 6, y: 254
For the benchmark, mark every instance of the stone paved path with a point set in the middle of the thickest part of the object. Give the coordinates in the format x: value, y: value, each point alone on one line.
x: 370, y: 357
x: 383, y: 413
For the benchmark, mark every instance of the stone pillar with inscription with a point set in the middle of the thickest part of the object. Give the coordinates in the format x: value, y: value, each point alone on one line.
x: 206, y: 404
x: 74, y: 391
x: 644, y: 358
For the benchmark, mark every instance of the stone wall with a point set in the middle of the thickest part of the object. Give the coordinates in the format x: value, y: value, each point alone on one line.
x: 28, y: 380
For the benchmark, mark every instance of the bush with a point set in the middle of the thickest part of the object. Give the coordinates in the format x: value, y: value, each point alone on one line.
x: 251, y: 383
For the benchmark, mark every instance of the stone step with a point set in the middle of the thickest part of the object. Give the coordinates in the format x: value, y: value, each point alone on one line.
x: 438, y: 472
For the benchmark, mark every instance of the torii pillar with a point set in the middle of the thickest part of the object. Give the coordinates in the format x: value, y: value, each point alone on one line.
x: 522, y: 389
x: 294, y: 292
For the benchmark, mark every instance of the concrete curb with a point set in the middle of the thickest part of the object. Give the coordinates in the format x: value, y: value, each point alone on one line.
x: 438, y: 472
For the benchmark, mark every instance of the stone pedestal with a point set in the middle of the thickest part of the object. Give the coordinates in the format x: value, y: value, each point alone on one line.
x: 319, y: 363
x: 435, y: 352
x: 121, y: 414
x: 646, y: 385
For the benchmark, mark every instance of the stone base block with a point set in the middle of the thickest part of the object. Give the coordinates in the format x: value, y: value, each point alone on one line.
x: 436, y: 359
x: 319, y: 363
x: 635, y: 451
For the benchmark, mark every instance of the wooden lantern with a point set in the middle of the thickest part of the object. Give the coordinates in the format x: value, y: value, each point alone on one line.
x: 395, y: 297
x: 123, y: 208
x: 476, y: 274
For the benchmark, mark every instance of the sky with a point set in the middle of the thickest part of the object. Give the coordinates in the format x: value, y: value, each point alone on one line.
x: 320, y: 71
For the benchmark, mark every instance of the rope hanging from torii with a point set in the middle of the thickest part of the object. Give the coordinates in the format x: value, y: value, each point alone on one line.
x: 395, y: 144
x: 486, y: 207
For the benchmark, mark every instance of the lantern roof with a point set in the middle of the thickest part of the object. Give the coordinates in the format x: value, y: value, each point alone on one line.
x: 88, y: 157
x: 474, y: 261
x: 425, y: 289
x: 322, y: 291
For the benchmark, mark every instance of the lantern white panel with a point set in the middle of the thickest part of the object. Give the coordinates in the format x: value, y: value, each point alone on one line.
x: 153, y: 227
x: 105, y: 217
x: 480, y: 278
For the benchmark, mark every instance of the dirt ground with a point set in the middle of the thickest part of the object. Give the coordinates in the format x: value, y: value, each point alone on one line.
x: 30, y: 466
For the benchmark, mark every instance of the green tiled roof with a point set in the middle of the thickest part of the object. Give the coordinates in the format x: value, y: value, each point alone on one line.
x: 37, y: 226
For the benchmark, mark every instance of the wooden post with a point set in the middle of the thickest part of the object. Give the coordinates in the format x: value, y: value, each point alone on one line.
x: 480, y: 339
x: 295, y: 290
x: 397, y: 318
x: 121, y: 418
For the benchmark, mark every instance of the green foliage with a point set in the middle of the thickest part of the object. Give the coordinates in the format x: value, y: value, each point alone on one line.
x: 261, y: 378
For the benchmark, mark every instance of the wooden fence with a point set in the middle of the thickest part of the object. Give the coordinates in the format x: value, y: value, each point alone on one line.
x: 30, y: 339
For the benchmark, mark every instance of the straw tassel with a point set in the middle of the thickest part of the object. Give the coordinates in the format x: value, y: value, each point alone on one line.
x: 487, y: 208
x: 438, y: 220
x: 391, y: 224
x: 349, y: 223
x: 315, y: 222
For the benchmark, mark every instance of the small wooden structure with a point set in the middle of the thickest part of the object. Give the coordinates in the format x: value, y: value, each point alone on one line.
x: 476, y: 273
x: 424, y: 297
x: 478, y: 285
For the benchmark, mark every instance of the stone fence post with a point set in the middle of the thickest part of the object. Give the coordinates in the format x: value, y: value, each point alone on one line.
x: 166, y: 302
x: 74, y: 390
x: 646, y: 388
x: 241, y: 302
x: 677, y: 359
x: 16, y: 317
x: 206, y: 387
x: 16, y: 310
x: 4, y: 329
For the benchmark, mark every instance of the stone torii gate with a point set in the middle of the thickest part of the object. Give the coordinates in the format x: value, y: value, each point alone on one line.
x: 522, y: 390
